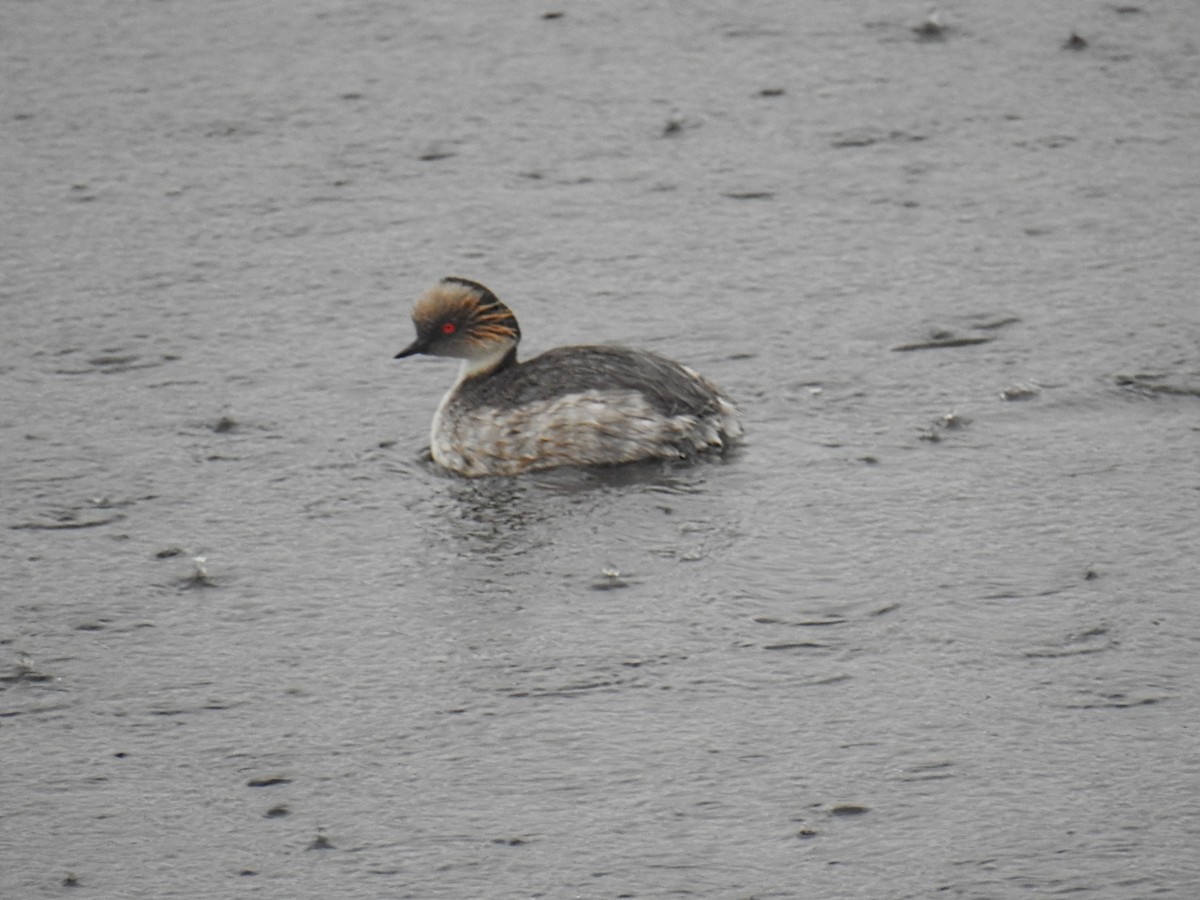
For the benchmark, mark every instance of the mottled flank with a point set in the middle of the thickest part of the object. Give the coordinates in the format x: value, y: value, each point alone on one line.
x: 599, y: 427
x: 589, y: 405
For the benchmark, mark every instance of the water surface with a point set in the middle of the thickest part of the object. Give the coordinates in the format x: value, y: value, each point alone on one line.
x: 931, y: 631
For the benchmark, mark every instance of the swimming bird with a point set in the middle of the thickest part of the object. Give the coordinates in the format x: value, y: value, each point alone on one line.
x: 572, y: 406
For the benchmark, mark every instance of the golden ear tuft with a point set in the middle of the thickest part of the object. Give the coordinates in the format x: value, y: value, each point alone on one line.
x: 479, y: 316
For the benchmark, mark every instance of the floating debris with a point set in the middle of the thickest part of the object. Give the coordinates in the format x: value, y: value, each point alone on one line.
x: 1074, y: 42
x: 1150, y: 384
x: 1018, y: 392
x: 950, y: 421
x: 796, y: 645
x: 199, y: 577
x: 23, y: 672
x: 267, y: 782
x: 320, y: 842
x: 611, y: 580
x: 116, y: 363
x: 855, y: 139
x: 932, y: 28
x: 866, y: 136
x: 109, y: 503
x: 113, y: 359
x: 941, y: 341
x: 848, y: 809
x: 67, y: 521
x: 993, y: 324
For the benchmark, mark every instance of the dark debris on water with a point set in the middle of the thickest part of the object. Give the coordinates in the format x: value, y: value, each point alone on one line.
x: 940, y: 341
x: 950, y: 421
x: 1154, y: 384
x: 321, y: 842
x: 931, y: 29
x: 24, y: 673
x: 941, y: 338
x: 848, y: 809
x: 67, y: 523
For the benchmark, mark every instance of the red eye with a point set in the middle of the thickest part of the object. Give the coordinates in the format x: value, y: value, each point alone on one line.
x: 449, y: 328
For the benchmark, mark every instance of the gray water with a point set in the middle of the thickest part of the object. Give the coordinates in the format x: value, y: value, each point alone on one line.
x: 931, y: 632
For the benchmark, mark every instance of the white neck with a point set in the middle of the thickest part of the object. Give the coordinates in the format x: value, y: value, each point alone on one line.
x: 480, y: 364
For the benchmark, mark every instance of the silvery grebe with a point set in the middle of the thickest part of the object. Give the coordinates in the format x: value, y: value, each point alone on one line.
x: 582, y: 406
